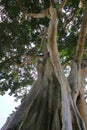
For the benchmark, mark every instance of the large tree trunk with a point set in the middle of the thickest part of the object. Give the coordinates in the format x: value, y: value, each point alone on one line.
x: 41, y: 110
x: 54, y: 103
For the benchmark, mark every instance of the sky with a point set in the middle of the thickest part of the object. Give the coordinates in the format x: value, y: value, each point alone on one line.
x: 7, y: 105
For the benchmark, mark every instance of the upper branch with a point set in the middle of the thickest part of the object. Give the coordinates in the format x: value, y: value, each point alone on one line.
x: 43, y: 14
x: 82, y: 37
x: 51, y: 3
x: 62, y: 5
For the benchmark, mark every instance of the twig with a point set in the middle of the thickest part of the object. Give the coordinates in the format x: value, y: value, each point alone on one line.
x: 69, y: 20
x: 62, y: 5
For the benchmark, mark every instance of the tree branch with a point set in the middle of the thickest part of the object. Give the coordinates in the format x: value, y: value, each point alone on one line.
x: 82, y: 37
x: 81, y: 3
x: 62, y: 5
x: 30, y: 61
x: 51, y: 3
x: 54, y: 55
x: 44, y: 13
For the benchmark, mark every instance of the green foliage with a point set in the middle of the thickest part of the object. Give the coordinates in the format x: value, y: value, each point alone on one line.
x: 19, y: 37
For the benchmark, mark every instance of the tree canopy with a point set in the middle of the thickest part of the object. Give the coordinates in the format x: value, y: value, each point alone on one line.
x: 21, y: 35
x: 42, y: 49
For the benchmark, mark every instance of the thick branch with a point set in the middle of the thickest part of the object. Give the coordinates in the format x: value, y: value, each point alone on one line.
x: 52, y: 42
x: 44, y: 45
x: 39, y: 15
x: 82, y: 37
x: 81, y: 3
x: 51, y: 3
x: 83, y: 71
